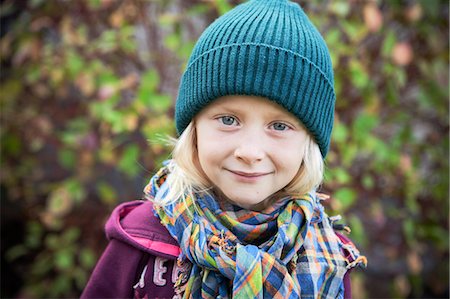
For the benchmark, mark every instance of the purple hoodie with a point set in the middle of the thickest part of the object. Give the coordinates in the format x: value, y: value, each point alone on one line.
x: 140, y: 259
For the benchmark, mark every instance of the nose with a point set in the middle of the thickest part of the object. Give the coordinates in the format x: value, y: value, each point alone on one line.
x: 250, y: 149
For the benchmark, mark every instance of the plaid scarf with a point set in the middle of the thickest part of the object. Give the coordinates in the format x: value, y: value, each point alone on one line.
x: 286, y: 251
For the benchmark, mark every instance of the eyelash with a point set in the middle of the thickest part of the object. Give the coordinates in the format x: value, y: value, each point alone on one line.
x: 221, y: 119
x: 236, y: 122
x: 286, y: 126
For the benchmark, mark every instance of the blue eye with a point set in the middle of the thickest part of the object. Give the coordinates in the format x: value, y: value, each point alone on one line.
x: 280, y: 127
x: 228, y: 120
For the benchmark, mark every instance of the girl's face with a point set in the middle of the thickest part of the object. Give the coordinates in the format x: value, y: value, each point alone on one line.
x: 249, y: 148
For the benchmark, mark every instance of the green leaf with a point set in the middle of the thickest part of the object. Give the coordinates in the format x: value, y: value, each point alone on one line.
x: 388, y: 43
x: 354, y: 30
x: 147, y: 93
x: 80, y: 276
x: 368, y: 181
x: 363, y: 126
x: 34, y: 73
x: 185, y: 50
x: 71, y: 235
x: 222, y: 6
x: 94, y: 4
x: 100, y: 109
x: 358, y: 233
x: 52, y: 241
x: 340, y: 133
x: 333, y: 37
x: 400, y: 77
x: 345, y: 196
x: 64, y: 259
x: 87, y: 258
x: 42, y: 265
x: 127, y: 41
x: 75, y: 188
x: 61, y: 285
x: 107, y: 41
x: 409, y: 230
x: 59, y: 202
x: 197, y: 9
x: 149, y: 84
x: 341, y: 175
x: 172, y: 41
x: 160, y: 103
x: 338, y: 83
x: 33, y: 238
x: 129, y: 161
x: 78, y: 124
x: 433, y: 232
x: 67, y: 158
x: 115, y: 118
x: 340, y: 8
x: 392, y: 95
x: 349, y: 154
x: 71, y: 135
x: 107, y: 193
x: 104, y: 111
x: 75, y: 63
x: 168, y: 19
x: 358, y: 74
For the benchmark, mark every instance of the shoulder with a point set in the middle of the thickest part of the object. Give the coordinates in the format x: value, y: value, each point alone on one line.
x: 134, y: 223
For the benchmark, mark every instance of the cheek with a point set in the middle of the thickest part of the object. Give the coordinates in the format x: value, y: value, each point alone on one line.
x: 293, y: 169
x: 203, y: 164
x: 205, y: 149
x: 291, y: 158
x: 207, y: 155
x: 201, y: 156
x: 212, y: 146
x: 202, y: 142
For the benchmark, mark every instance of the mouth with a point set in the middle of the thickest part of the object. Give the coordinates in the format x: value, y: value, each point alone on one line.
x: 249, y: 175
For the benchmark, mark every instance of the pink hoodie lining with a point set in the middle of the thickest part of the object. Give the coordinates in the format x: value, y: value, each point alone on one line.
x: 159, y: 246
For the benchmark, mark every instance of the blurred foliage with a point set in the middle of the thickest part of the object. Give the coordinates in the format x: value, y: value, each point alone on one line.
x: 87, y: 91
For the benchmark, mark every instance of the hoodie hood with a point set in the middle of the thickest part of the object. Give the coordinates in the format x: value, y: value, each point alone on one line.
x: 134, y: 223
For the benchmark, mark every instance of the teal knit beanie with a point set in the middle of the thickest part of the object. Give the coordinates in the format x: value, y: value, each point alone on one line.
x: 266, y: 48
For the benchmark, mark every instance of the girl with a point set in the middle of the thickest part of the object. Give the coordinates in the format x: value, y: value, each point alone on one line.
x: 235, y: 212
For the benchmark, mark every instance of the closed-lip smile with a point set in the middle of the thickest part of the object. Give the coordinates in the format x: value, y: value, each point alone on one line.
x: 248, y: 174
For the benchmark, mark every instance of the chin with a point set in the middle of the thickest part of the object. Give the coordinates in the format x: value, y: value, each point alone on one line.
x: 242, y: 202
x: 250, y: 204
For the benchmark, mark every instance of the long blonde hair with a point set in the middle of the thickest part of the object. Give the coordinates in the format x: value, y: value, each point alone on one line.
x: 186, y: 177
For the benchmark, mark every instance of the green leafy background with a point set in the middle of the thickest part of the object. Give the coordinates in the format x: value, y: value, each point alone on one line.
x: 87, y: 93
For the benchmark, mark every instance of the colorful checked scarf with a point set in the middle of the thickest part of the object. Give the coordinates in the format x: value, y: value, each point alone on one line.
x: 288, y: 250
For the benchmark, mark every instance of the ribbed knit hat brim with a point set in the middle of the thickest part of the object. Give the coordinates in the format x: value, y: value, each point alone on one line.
x: 262, y: 48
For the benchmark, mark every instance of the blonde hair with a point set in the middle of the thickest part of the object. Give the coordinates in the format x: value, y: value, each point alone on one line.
x: 187, y: 178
